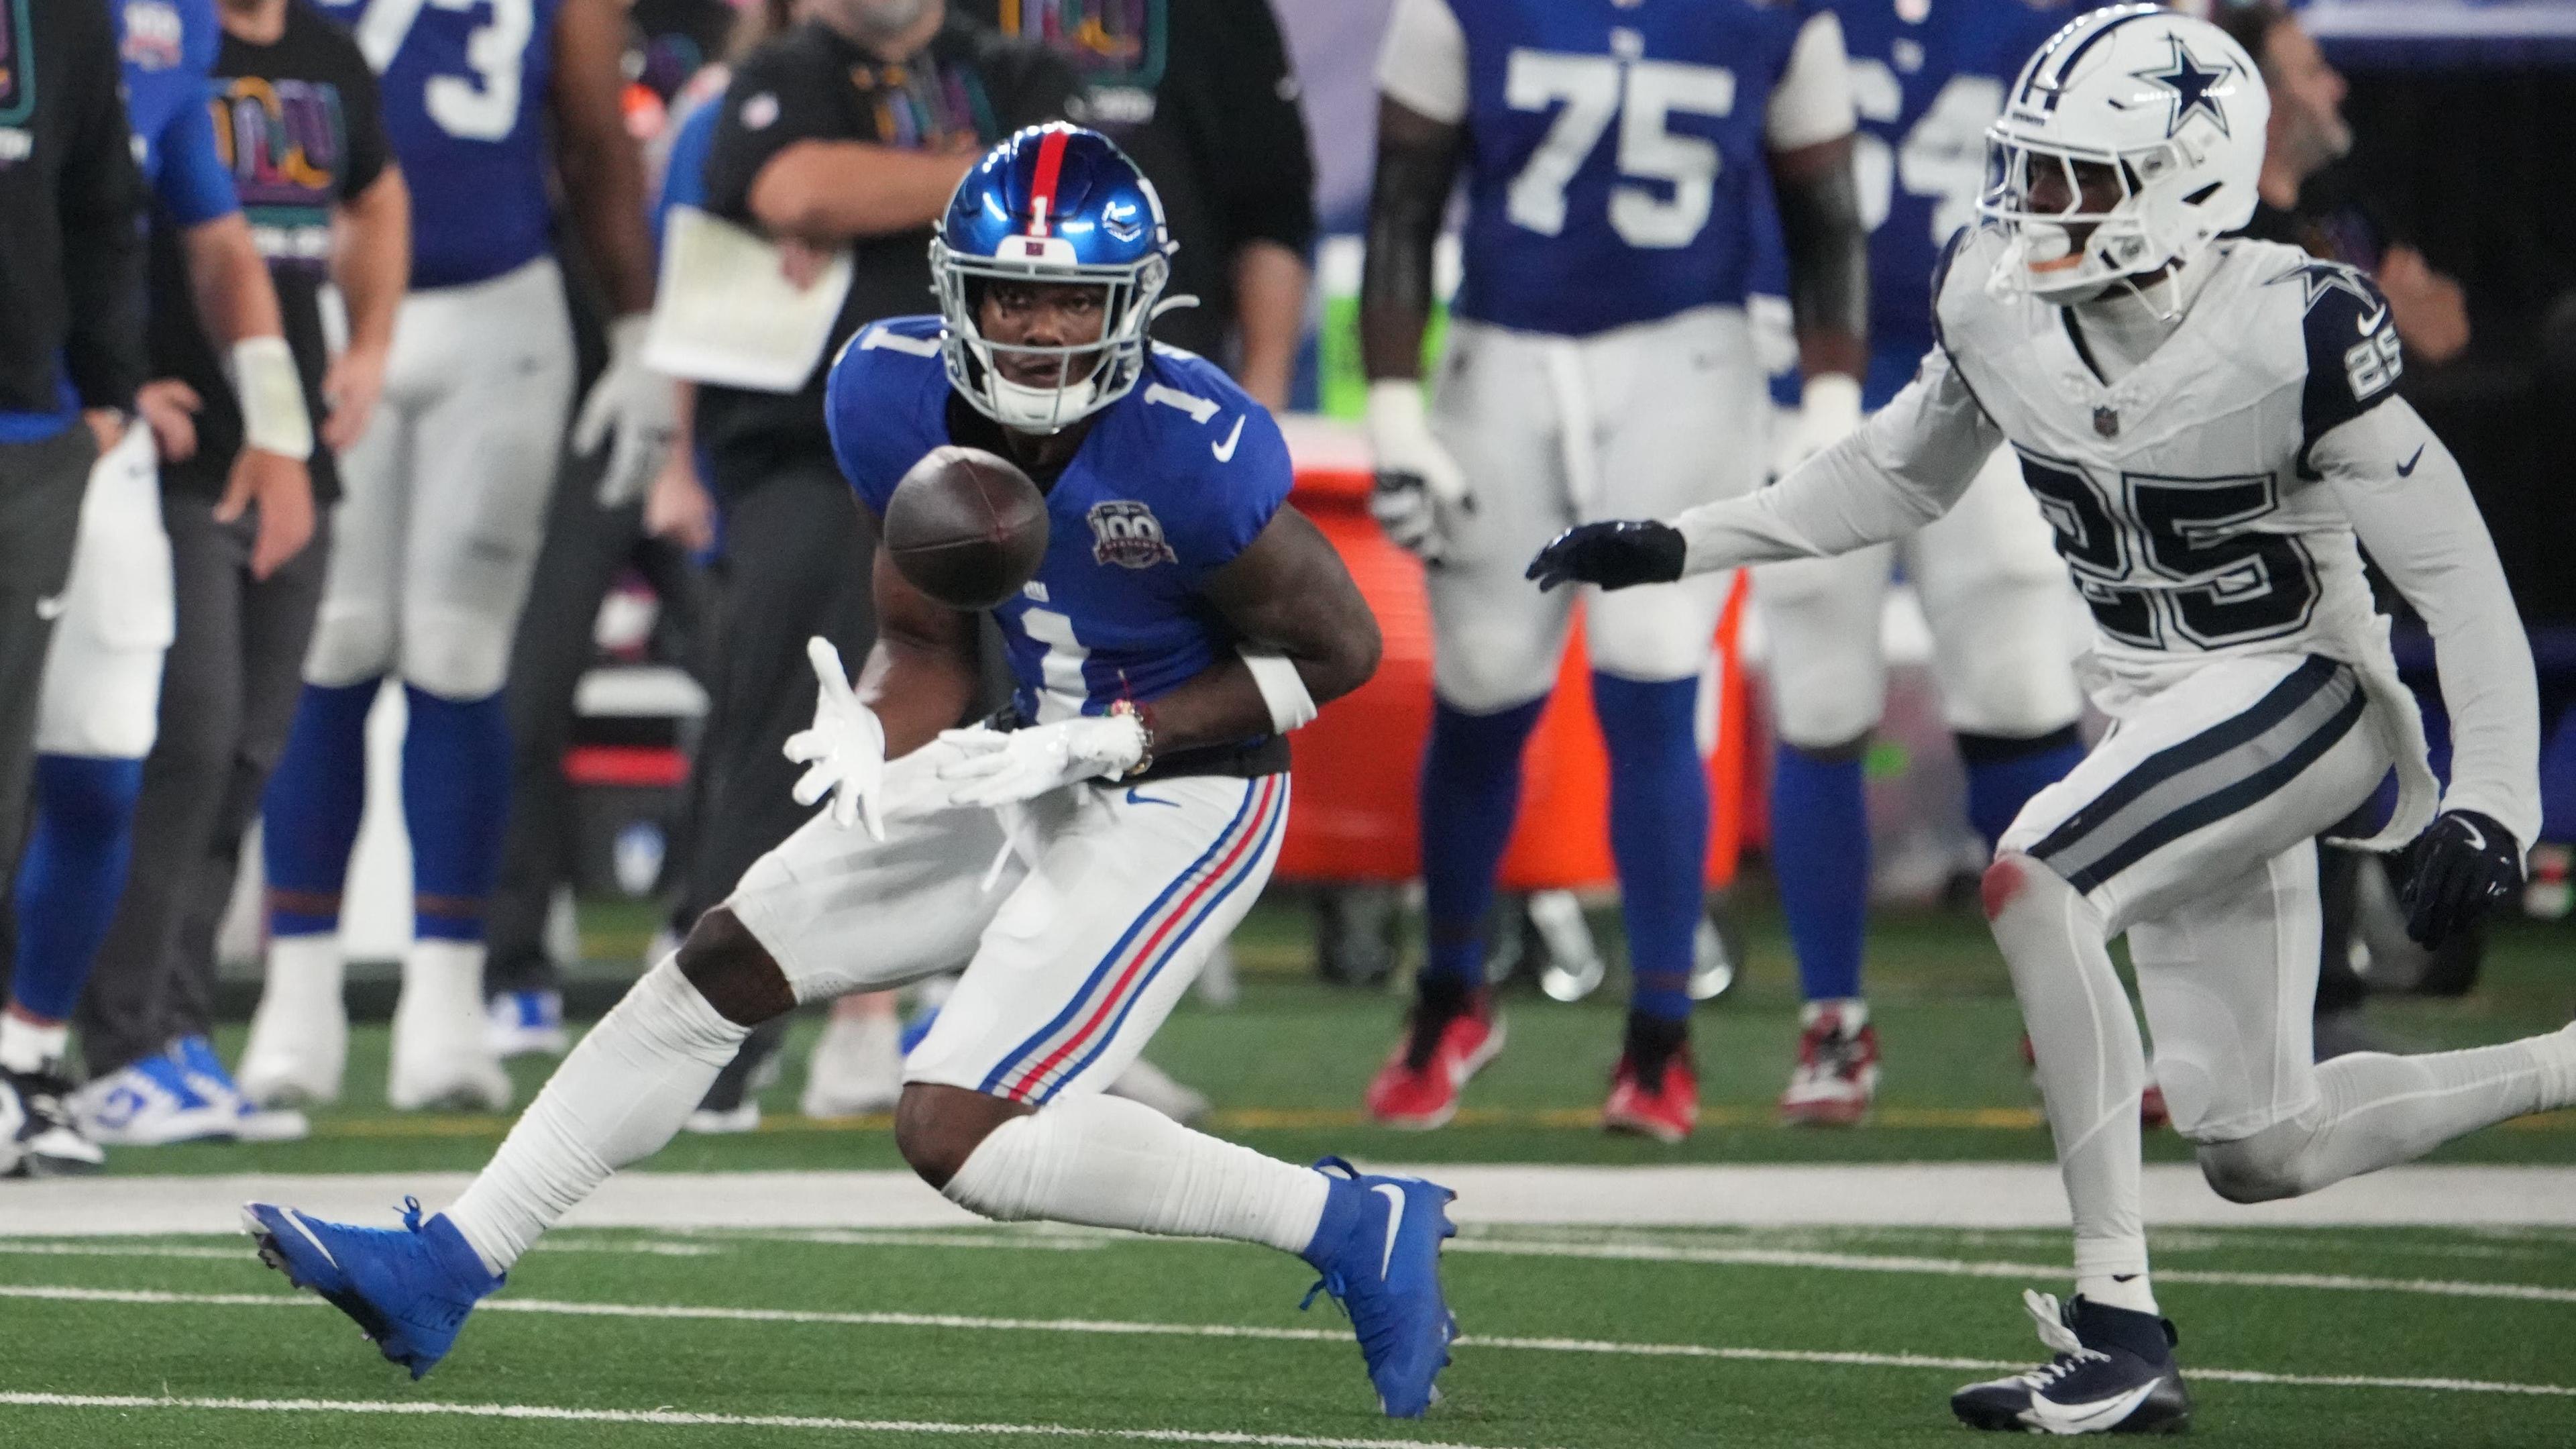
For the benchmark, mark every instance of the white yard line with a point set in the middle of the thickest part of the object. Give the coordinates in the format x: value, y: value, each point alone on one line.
x: 154, y: 1297
x: 683, y: 1419
x: 1943, y: 1195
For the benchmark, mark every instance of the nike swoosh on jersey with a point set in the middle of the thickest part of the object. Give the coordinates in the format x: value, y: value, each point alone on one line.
x: 2407, y: 468
x: 50, y: 608
x: 2076, y: 1418
x: 2370, y: 324
x: 1394, y: 1220
x: 1225, y: 451
x: 1136, y: 796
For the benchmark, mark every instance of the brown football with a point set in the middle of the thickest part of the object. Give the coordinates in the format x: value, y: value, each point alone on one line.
x: 966, y: 527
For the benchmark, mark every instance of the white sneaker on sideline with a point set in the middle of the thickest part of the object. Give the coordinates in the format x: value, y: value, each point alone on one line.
x: 205, y: 1075
x: 856, y: 1068
x: 150, y: 1104
x: 528, y: 1024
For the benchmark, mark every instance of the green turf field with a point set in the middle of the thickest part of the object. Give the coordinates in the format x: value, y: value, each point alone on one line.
x: 1114, y: 1334
x: 1578, y: 1336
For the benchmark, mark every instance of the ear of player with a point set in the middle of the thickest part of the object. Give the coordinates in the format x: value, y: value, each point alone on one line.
x: 1614, y: 555
x: 2463, y: 863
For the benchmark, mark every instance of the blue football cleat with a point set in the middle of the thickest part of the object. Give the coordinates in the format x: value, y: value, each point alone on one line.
x: 1379, y: 1252
x: 409, y: 1288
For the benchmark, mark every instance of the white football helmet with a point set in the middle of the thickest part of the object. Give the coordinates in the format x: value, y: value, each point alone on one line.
x: 2169, y: 104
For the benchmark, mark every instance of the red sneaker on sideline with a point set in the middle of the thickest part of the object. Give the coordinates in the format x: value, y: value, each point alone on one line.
x: 1417, y: 1090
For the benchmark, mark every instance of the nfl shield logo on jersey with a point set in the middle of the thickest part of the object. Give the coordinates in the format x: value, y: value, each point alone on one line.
x: 1126, y: 533
x: 2106, y: 422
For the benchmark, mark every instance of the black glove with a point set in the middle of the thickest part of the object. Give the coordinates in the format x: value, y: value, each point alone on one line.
x: 1613, y: 555
x: 2463, y: 863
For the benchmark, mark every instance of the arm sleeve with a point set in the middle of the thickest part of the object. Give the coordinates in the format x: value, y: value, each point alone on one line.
x: 194, y: 185
x: 1423, y: 64
x: 1812, y: 102
x: 1263, y: 166
x: 771, y: 105
x: 2422, y: 529
x: 1905, y: 467
x: 102, y: 202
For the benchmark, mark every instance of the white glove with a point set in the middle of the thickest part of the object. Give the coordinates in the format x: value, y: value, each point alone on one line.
x: 1420, y: 491
x: 997, y: 768
x: 1828, y: 412
x: 642, y: 406
x: 844, y: 748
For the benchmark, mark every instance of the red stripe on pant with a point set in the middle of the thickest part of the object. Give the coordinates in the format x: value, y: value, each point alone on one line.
x: 1026, y: 1086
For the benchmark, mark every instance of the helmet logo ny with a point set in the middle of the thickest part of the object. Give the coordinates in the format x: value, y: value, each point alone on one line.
x: 2193, y: 86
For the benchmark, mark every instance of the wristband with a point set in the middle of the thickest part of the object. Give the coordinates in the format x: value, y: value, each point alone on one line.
x: 272, y: 398
x: 1282, y: 688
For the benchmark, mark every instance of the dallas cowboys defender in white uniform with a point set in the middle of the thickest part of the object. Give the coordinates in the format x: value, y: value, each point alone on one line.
x: 443, y: 507
x: 1082, y: 857
x: 1600, y: 364
x: 2211, y: 428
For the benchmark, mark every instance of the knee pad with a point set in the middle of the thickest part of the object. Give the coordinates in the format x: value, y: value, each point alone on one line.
x: 1000, y: 1179
x: 2002, y: 663
x: 98, y: 702
x: 1826, y: 696
x: 2265, y: 1167
x: 457, y: 653
x: 353, y: 642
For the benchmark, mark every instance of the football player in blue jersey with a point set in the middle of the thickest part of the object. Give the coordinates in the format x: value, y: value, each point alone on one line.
x: 1600, y: 354
x: 443, y: 508
x: 1927, y: 78
x: 1083, y: 853
x: 101, y: 689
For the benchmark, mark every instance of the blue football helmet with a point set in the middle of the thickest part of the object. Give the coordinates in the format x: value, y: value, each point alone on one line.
x: 1055, y: 204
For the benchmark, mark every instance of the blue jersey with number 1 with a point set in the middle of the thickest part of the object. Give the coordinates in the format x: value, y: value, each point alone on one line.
x: 465, y: 85
x: 1171, y: 483
x: 1610, y: 150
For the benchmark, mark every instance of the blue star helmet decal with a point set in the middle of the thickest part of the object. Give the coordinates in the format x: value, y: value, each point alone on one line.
x: 2193, y: 86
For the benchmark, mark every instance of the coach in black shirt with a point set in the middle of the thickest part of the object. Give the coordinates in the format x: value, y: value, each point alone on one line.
x: 849, y: 130
x: 1199, y: 92
x: 71, y: 331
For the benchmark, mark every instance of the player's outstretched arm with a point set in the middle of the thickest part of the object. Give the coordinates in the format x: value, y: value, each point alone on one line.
x: 1904, y: 468
x: 920, y: 676
x: 1307, y: 638
x: 2412, y: 509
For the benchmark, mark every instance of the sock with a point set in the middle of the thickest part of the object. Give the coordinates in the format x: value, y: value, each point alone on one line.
x: 1471, y: 789
x: 71, y: 876
x: 1109, y: 1163
x: 2004, y: 772
x: 620, y: 1095
x: 1658, y: 832
x: 310, y: 812
x: 2090, y: 1064
x: 2376, y: 1110
x: 2119, y: 1290
x: 303, y: 968
x: 32, y: 1046
x: 456, y: 801
x: 1820, y: 859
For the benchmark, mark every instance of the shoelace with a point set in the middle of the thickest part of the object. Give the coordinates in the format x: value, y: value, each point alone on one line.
x: 2054, y: 1334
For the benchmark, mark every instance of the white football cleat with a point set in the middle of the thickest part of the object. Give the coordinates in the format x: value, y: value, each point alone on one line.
x: 442, y: 1051
x: 714, y: 1122
x: 299, y: 1040
x: 856, y: 1067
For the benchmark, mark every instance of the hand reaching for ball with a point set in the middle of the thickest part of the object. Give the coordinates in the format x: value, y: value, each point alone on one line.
x: 843, y: 750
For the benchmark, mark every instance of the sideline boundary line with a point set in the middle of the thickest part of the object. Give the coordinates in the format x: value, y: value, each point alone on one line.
x: 1615, y: 1348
